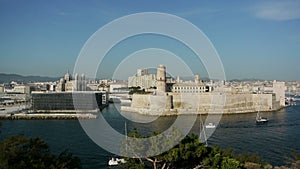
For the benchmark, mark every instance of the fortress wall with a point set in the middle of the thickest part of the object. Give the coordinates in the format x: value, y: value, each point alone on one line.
x: 263, y: 102
x: 140, y: 101
x: 214, y: 103
x: 191, y: 100
x: 159, y: 102
x: 189, y: 103
x: 151, y: 101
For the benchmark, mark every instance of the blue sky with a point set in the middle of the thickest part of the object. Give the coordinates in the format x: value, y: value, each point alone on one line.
x: 254, y: 39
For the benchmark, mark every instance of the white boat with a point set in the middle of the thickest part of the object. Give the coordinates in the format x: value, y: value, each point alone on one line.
x: 116, y: 161
x: 210, y: 126
x: 261, y: 120
x: 125, y: 100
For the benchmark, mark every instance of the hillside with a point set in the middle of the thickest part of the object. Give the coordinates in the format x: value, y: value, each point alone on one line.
x: 7, y: 78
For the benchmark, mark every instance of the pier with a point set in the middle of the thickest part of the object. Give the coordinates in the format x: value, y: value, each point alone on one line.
x: 44, y: 116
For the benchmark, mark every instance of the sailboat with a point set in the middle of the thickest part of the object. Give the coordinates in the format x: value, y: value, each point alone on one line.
x: 260, y: 120
x: 204, y: 134
x: 117, y: 161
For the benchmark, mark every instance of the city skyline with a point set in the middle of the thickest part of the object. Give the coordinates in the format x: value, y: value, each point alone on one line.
x: 257, y: 39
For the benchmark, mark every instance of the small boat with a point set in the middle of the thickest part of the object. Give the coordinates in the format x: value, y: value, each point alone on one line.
x: 261, y: 120
x: 125, y: 100
x: 116, y: 161
x: 210, y: 126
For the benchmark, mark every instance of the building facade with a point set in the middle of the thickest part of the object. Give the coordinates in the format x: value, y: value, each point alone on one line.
x: 25, y: 89
x: 142, y: 79
x: 1, y: 89
x: 68, y: 102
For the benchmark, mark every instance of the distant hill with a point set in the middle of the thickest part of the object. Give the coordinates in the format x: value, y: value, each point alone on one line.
x: 7, y: 78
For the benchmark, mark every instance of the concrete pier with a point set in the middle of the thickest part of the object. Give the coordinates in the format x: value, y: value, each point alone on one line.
x: 44, y: 116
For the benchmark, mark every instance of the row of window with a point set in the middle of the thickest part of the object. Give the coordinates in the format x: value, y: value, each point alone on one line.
x: 189, y: 88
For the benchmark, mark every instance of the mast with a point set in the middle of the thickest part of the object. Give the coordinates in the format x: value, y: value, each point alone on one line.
x: 126, y: 137
x: 202, y: 129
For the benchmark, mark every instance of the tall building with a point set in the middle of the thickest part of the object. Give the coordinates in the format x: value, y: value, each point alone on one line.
x: 142, y: 72
x: 142, y: 79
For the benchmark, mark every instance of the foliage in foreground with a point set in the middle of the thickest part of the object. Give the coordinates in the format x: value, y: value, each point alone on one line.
x: 20, y: 152
x: 191, y: 153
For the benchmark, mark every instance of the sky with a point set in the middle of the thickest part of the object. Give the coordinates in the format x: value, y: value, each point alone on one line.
x: 254, y: 39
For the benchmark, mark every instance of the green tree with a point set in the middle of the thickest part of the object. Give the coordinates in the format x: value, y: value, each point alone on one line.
x: 187, y: 154
x: 20, y: 152
x: 191, y: 153
x: 248, y: 157
x: 230, y: 163
x: 294, y: 161
x: 139, y: 147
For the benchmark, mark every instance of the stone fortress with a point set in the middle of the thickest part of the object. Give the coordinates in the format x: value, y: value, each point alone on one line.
x: 177, y: 97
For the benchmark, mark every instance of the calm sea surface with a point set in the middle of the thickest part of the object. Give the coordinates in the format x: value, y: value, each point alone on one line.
x: 272, y: 141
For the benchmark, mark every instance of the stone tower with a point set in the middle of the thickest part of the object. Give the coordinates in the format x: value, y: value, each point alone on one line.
x: 197, y: 79
x: 161, y: 79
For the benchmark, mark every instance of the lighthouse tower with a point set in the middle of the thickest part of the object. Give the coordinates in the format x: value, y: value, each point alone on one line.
x: 161, y: 80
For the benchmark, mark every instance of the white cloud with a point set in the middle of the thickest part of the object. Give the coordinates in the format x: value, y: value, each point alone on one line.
x: 280, y: 10
x: 196, y: 12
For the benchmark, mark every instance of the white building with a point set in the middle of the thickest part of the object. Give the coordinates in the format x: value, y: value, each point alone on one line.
x: 22, y: 89
x: 142, y: 79
x: 191, y: 87
x: 117, y: 87
x: 1, y: 89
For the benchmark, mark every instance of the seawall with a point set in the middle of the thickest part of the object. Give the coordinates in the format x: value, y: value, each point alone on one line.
x: 208, y: 103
